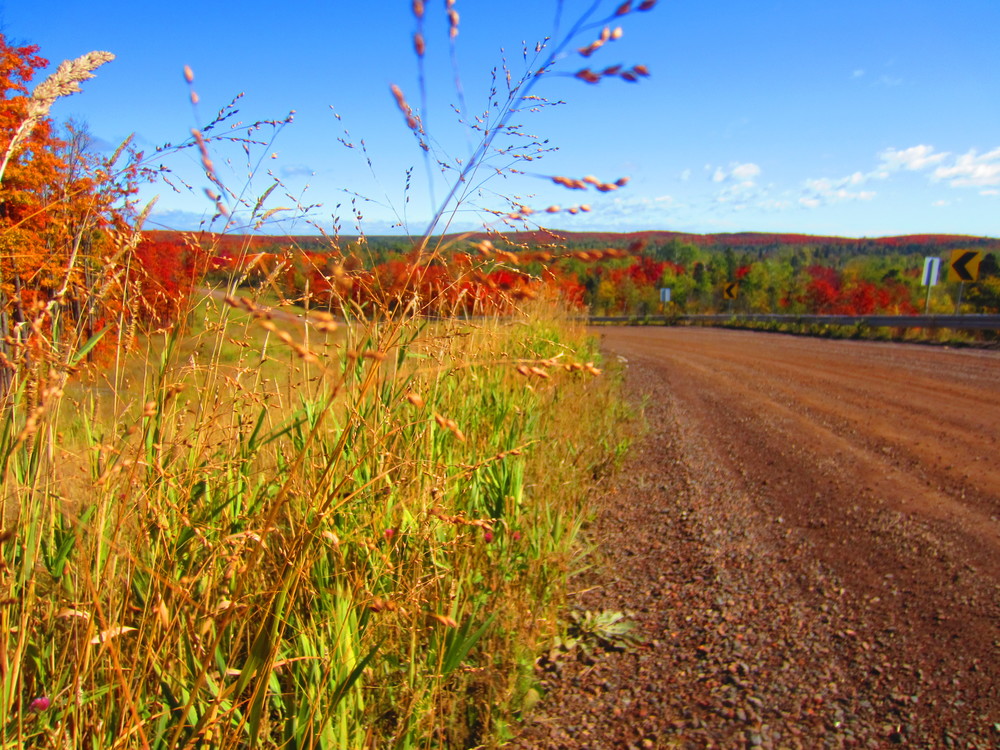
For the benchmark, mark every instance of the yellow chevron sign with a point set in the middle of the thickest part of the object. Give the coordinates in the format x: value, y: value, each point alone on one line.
x: 964, y: 265
x: 730, y: 290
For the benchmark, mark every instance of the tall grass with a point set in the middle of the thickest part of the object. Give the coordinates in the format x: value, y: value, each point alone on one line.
x: 280, y: 529
x: 372, y: 565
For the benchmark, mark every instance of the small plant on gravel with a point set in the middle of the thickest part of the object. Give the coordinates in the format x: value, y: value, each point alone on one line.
x: 586, y: 632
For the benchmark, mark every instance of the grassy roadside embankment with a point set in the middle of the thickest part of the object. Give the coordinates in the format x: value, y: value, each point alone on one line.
x: 205, y: 556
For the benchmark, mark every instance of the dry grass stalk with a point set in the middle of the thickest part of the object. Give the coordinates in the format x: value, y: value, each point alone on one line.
x: 411, y: 120
x: 65, y: 81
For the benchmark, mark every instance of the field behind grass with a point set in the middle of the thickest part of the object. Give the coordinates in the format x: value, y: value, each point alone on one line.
x: 275, y: 529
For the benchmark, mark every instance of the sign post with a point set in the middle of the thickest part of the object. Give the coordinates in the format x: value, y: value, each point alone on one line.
x: 930, y: 278
x: 664, y: 297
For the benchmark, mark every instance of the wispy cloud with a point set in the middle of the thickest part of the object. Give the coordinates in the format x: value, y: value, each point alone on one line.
x: 914, y: 158
x: 627, y: 212
x: 972, y: 170
x: 823, y: 191
x: 740, y: 188
x: 736, y: 172
x: 297, y: 170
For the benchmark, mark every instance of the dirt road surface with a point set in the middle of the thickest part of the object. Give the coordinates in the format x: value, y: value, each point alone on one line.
x: 808, y: 539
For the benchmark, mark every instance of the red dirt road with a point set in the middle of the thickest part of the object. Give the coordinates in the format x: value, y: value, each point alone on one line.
x: 860, y: 446
x: 826, y: 572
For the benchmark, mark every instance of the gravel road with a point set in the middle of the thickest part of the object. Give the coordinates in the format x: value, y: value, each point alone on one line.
x: 808, y: 539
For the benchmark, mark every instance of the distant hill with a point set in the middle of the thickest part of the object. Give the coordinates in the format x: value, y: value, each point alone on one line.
x: 747, y: 240
x: 757, y: 243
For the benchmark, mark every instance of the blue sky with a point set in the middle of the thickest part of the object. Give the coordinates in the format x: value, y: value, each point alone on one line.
x: 854, y: 118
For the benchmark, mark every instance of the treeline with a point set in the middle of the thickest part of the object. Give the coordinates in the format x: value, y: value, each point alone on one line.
x: 619, y: 274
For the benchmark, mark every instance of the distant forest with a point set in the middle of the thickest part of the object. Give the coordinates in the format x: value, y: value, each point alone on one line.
x: 613, y: 273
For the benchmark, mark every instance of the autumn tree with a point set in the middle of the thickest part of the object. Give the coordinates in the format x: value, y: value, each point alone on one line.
x: 57, y: 201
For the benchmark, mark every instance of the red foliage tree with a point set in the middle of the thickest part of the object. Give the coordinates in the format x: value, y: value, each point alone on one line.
x: 827, y: 293
x: 162, y: 275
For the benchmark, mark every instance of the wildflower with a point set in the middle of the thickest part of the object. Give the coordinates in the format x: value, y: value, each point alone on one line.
x: 39, y: 704
x: 487, y: 536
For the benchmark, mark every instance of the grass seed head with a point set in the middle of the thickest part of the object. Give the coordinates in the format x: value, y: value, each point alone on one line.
x: 448, y: 622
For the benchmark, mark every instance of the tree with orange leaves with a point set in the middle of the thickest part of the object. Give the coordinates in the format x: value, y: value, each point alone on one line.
x: 55, y: 203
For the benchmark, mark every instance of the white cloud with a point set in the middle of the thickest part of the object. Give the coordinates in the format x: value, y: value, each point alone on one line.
x: 631, y: 211
x: 772, y: 204
x: 745, y: 172
x: 737, y: 171
x: 297, y: 170
x: 822, y: 191
x: 914, y: 158
x: 686, y: 175
x: 972, y: 170
x: 738, y: 194
x: 858, y: 73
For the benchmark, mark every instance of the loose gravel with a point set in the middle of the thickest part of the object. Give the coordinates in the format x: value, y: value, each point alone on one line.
x: 785, y: 598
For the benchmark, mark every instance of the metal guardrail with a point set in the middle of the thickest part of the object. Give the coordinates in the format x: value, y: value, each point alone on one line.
x: 954, y: 322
